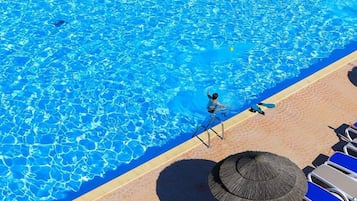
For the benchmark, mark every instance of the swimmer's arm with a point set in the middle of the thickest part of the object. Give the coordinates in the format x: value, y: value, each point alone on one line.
x: 209, y: 95
x: 221, y: 105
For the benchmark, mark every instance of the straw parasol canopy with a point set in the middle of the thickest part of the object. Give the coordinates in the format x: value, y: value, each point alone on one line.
x: 259, y: 176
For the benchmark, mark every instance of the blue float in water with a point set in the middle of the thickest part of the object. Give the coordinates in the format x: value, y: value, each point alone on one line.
x: 59, y: 23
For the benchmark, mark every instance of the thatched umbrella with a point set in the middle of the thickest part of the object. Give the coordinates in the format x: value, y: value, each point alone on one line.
x: 259, y: 176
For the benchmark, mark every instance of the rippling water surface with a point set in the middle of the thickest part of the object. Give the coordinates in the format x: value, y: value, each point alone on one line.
x: 120, y: 77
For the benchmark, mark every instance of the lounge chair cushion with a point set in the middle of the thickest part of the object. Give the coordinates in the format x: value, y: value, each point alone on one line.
x: 315, y: 192
x: 344, y: 160
x: 336, y: 179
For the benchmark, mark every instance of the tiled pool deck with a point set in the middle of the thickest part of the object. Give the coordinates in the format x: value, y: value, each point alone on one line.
x: 302, y: 127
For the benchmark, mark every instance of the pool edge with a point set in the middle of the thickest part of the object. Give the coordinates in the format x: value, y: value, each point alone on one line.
x: 171, y: 154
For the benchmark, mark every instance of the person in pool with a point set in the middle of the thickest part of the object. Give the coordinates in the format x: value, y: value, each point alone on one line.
x: 213, y: 102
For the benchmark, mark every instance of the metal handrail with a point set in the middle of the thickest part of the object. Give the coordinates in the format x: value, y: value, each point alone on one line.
x: 208, y: 127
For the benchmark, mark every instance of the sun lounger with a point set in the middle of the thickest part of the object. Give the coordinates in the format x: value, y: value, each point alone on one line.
x: 343, y: 162
x: 317, y: 193
x: 351, y: 148
x: 336, y: 181
x: 351, y: 132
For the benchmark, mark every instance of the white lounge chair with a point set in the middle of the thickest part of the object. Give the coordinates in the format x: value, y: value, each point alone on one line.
x: 351, y: 132
x: 351, y: 148
x: 337, y: 181
x: 343, y: 162
x: 316, y: 193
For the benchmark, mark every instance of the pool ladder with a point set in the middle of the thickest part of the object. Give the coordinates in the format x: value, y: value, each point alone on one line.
x: 208, y: 127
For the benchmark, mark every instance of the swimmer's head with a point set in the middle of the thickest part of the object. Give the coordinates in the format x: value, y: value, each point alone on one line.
x: 214, y: 96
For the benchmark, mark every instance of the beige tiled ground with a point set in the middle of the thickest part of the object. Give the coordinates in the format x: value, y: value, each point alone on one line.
x: 301, y: 127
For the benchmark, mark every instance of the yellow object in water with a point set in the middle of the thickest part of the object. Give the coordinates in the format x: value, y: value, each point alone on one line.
x: 231, y: 49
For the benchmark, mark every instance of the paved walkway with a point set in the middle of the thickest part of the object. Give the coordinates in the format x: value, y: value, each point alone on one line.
x: 302, y: 127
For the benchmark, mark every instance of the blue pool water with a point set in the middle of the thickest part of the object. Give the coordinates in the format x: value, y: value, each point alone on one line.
x: 120, y: 82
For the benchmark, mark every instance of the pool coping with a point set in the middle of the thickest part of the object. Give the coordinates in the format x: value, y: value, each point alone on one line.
x: 173, y: 153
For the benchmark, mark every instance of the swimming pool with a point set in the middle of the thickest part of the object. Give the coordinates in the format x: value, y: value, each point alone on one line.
x: 120, y: 82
